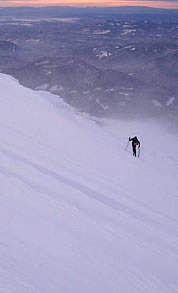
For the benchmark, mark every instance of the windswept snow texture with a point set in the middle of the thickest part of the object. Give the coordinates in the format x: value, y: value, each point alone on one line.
x: 78, y: 213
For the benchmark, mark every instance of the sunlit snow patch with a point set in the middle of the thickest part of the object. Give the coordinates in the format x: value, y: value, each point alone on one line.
x: 128, y: 31
x: 103, y: 54
x: 156, y: 103
x: 170, y: 101
x: 101, y: 104
x: 102, y: 32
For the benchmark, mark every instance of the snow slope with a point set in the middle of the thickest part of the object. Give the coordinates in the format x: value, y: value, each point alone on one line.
x: 78, y: 213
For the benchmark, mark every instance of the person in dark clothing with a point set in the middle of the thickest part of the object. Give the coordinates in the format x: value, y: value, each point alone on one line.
x: 135, y: 143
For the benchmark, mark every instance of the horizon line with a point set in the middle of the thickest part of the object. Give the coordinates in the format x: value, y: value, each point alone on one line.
x: 123, y: 4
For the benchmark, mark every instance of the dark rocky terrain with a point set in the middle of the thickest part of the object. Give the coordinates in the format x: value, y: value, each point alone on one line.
x: 106, y: 64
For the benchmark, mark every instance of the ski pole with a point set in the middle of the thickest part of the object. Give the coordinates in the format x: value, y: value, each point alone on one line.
x: 127, y: 145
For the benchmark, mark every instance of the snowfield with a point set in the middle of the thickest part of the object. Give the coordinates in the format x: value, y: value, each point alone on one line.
x: 78, y: 213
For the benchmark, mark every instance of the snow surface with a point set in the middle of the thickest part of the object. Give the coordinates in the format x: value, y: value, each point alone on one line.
x: 79, y: 213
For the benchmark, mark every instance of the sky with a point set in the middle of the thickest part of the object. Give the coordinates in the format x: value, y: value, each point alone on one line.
x: 149, y: 3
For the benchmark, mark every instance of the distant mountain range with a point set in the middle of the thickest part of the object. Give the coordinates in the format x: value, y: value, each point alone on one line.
x: 103, y: 65
x: 69, y: 11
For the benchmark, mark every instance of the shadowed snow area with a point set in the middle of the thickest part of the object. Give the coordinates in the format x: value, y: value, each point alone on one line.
x: 78, y: 213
